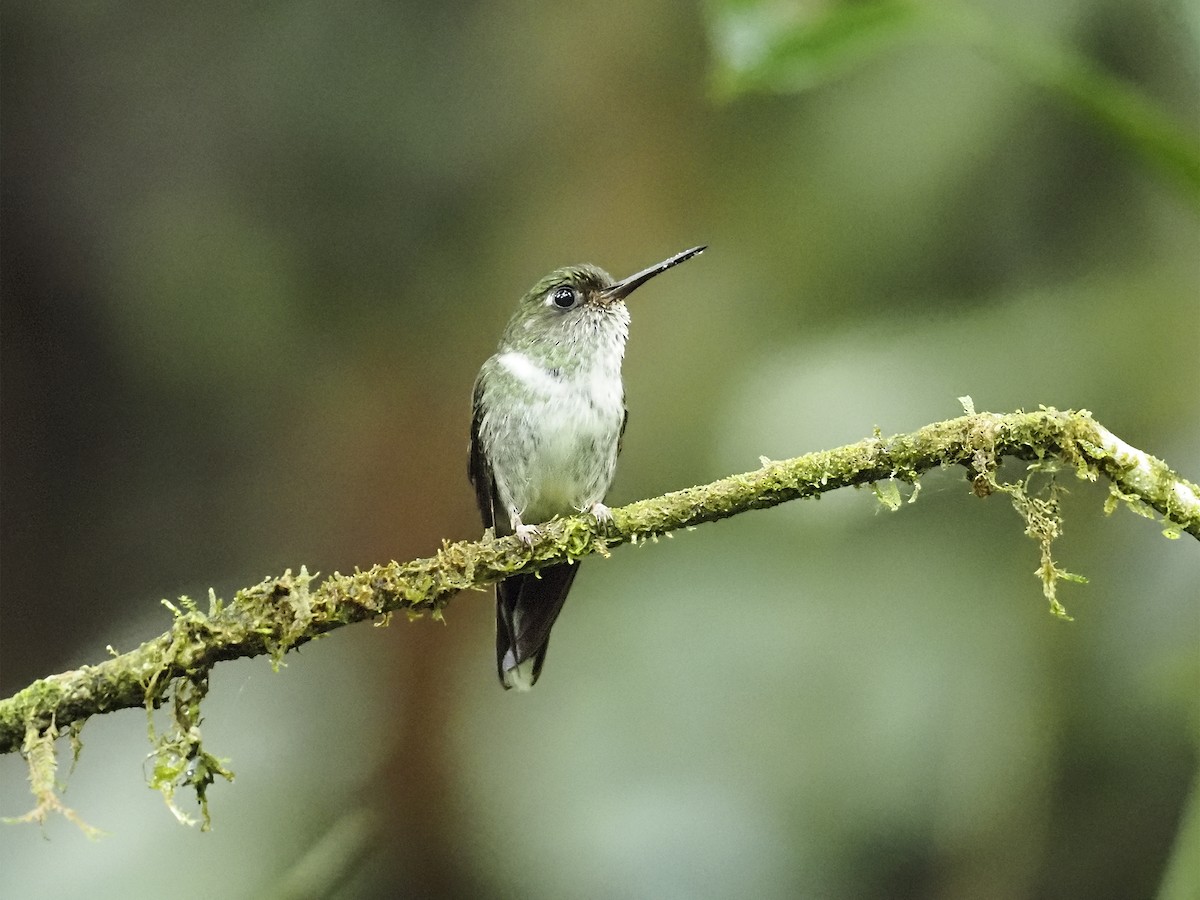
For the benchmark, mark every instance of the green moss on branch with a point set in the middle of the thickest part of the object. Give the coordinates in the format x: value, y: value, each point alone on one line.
x: 279, y: 614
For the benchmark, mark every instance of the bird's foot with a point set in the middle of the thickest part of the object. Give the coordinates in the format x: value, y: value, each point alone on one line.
x: 602, y: 513
x: 525, y: 533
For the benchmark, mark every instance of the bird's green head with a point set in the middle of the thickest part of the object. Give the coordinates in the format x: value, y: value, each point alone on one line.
x: 576, y: 302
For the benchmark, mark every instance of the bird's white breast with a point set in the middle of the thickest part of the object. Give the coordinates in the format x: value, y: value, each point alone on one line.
x: 597, y: 385
x: 529, y: 373
x: 570, y: 424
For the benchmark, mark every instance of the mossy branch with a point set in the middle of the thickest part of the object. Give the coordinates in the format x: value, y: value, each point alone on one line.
x: 282, y: 613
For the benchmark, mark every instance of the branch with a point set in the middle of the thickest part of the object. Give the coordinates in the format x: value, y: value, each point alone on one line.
x: 279, y: 614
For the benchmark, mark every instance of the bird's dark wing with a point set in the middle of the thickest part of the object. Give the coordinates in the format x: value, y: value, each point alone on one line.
x: 624, y: 422
x: 479, y: 470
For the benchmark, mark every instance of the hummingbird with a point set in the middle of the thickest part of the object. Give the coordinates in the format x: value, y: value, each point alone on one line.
x: 548, y: 418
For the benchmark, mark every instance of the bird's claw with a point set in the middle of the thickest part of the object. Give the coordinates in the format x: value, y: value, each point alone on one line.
x: 526, y: 533
x: 602, y: 513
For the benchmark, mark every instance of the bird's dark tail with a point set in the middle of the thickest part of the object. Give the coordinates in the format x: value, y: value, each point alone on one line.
x: 526, y: 607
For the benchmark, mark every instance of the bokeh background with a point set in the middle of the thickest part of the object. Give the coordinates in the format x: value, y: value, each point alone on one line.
x: 254, y: 254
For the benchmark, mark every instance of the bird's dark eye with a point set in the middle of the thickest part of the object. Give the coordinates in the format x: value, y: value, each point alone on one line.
x: 565, y: 297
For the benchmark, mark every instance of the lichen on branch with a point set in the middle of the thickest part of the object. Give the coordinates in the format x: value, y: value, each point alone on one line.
x: 281, y: 613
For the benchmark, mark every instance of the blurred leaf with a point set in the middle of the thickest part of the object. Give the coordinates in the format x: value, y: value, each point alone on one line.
x: 767, y: 45
x: 787, y: 47
x: 1126, y: 113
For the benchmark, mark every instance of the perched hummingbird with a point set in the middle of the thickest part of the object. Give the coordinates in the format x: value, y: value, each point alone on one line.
x: 549, y: 414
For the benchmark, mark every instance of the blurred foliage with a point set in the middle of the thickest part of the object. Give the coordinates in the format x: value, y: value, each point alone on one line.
x: 786, y: 46
x: 767, y: 45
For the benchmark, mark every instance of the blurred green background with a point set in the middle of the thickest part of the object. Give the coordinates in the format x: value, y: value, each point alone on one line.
x: 254, y: 254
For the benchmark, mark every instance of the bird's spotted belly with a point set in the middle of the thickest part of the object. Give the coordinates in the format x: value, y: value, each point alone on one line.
x: 569, y: 458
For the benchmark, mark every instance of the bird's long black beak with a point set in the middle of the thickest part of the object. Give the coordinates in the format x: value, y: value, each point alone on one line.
x: 627, y: 286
